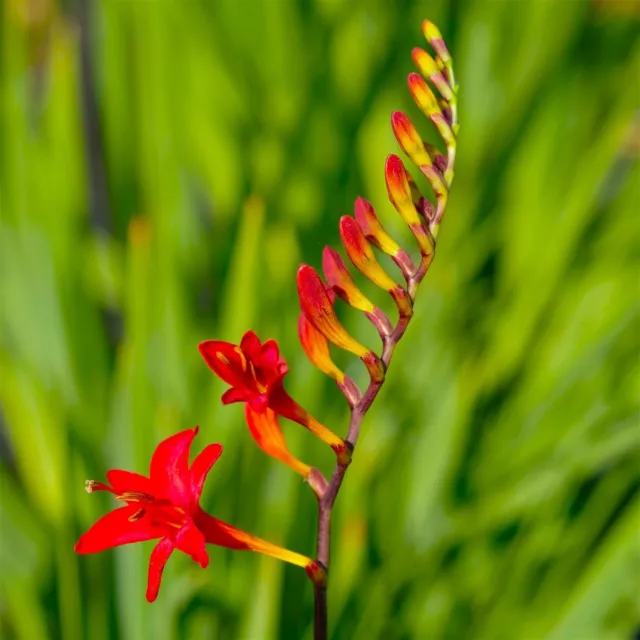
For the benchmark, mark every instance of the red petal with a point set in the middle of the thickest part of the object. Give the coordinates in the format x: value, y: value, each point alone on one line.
x: 159, y: 557
x: 227, y: 361
x: 269, y: 355
x: 234, y: 395
x: 250, y: 344
x: 115, y: 529
x: 170, y: 468
x: 191, y: 541
x: 122, y: 481
x: 201, y: 466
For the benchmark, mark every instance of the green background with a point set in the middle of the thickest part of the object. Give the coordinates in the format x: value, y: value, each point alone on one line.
x: 495, y: 491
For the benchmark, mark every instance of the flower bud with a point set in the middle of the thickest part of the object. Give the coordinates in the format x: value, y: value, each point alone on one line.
x: 315, y: 304
x: 409, y: 139
x: 435, y: 39
x: 316, y: 346
x: 400, y: 195
x: 429, y: 69
x: 361, y: 254
x: 340, y: 280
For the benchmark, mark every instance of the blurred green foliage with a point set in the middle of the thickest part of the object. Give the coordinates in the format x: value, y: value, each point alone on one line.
x: 495, y: 491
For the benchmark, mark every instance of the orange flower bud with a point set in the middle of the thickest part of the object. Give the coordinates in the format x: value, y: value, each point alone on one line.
x: 316, y: 346
x: 315, y: 304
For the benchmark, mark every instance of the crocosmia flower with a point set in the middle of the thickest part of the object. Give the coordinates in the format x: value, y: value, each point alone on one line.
x: 165, y: 506
x: 251, y: 368
x: 255, y: 371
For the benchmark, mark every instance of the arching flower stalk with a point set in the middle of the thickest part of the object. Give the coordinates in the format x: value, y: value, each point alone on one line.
x: 319, y: 326
x: 165, y: 505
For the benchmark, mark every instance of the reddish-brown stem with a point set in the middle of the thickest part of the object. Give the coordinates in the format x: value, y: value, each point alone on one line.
x: 326, y: 502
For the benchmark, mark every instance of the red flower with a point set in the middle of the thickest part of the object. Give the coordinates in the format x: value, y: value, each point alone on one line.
x: 255, y: 372
x: 251, y: 368
x: 166, y: 506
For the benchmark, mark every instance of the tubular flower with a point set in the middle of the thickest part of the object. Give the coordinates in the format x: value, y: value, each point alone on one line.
x: 266, y: 431
x: 255, y: 372
x: 375, y: 233
x: 341, y: 282
x: 363, y: 258
x: 429, y: 105
x: 318, y: 308
x: 165, y: 506
x: 400, y: 195
x: 251, y: 368
x: 316, y: 347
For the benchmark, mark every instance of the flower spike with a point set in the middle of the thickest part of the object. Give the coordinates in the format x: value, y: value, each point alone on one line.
x: 317, y: 307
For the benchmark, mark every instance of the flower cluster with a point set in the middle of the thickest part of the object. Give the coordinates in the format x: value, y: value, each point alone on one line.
x: 165, y: 505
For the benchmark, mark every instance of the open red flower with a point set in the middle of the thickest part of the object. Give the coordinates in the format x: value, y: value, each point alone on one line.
x: 251, y: 368
x: 255, y: 372
x: 165, y: 506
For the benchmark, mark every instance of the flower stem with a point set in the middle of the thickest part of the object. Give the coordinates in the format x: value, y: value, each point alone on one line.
x: 326, y: 501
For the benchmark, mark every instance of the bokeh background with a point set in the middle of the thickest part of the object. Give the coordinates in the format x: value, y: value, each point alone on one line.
x: 165, y: 168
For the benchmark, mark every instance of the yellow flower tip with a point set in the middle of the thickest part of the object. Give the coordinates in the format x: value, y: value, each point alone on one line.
x: 435, y: 39
x: 409, y: 139
x: 340, y: 280
x: 372, y: 228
